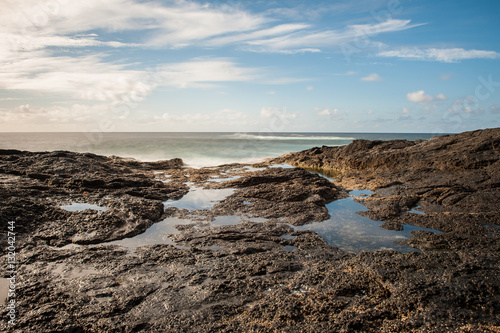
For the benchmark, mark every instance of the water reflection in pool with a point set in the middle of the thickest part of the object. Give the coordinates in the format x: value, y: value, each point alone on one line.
x: 344, y: 229
x: 355, y: 233
x: 200, y: 198
x: 77, y: 207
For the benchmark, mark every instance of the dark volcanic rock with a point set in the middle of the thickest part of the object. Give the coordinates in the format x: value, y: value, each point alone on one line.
x: 34, y: 185
x: 455, y: 179
x: 250, y: 277
x: 275, y: 192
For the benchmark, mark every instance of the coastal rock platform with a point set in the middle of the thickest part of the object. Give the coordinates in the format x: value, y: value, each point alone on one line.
x: 260, y: 273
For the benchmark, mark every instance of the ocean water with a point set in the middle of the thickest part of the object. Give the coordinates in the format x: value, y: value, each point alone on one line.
x: 196, y: 149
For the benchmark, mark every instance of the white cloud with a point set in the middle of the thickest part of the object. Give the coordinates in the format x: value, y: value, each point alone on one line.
x: 313, y: 40
x: 297, y: 51
x: 440, y: 97
x: 225, y: 115
x: 421, y: 98
x: 371, y: 78
x: 327, y: 112
x: 56, y: 114
x: 467, y: 105
x: 266, y: 112
x: 202, y: 73
x: 92, y: 78
x: 85, y: 77
x: 11, y: 99
x: 34, y: 24
x: 16, y: 42
x: 281, y: 29
x: 189, y: 22
x: 443, y: 55
x: 272, y: 112
x: 285, y: 80
x: 309, y: 88
x: 405, y: 114
x: 324, y: 112
x: 31, y: 29
x: 66, y: 48
x: 445, y: 77
x: 494, y: 109
x: 172, y: 24
x: 348, y: 73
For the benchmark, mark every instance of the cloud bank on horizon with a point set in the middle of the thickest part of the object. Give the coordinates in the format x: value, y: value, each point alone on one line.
x: 175, y: 65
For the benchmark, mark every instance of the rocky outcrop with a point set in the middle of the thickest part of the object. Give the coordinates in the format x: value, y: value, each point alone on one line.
x: 294, y: 194
x: 257, y: 277
x: 453, y: 179
x: 34, y: 185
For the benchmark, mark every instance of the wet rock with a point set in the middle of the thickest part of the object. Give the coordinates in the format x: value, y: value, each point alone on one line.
x: 392, y: 225
x: 45, y: 181
x: 276, y: 192
x: 453, y: 178
x: 237, y: 278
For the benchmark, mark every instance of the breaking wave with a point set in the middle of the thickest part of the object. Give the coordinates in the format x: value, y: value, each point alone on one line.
x: 249, y: 136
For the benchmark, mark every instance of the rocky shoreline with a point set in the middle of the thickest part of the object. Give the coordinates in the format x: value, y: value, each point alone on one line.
x: 261, y: 274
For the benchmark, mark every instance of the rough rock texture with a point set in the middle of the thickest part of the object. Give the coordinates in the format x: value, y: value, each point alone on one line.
x: 453, y: 179
x: 257, y: 277
x: 34, y: 184
x: 273, y: 193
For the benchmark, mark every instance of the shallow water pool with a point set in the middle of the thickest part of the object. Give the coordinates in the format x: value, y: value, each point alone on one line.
x: 200, y: 198
x: 78, y: 206
x: 355, y: 233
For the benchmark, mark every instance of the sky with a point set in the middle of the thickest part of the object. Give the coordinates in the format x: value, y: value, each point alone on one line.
x: 403, y: 66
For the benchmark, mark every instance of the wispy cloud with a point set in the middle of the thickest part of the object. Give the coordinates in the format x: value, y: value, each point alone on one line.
x: 33, y: 33
x: 421, y: 98
x: 188, y: 22
x: 328, y: 112
x: 495, y: 109
x: 405, y: 114
x: 445, y: 77
x: 314, y: 39
x: 27, y: 43
x: 93, y: 78
x: 225, y: 115
x: 32, y: 30
x: 203, y: 73
x: 278, y: 30
x: 84, y: 77
x: 170, y: 24
x: 348, y: 73
x: 371, y: 78
x: 79, y: 113
x: 442, y: 55
x: 272, y: 112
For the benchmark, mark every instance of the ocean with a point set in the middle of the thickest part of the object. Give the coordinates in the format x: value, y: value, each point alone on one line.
x: 195, y: 149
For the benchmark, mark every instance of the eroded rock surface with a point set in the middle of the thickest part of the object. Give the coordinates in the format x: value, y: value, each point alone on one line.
x: 453, y: 181
x: 257, y: 276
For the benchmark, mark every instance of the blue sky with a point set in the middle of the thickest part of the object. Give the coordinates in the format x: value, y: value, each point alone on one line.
x: 260, y: 66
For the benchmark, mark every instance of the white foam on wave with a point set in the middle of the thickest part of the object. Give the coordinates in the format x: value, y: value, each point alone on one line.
x: 249, y: 136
